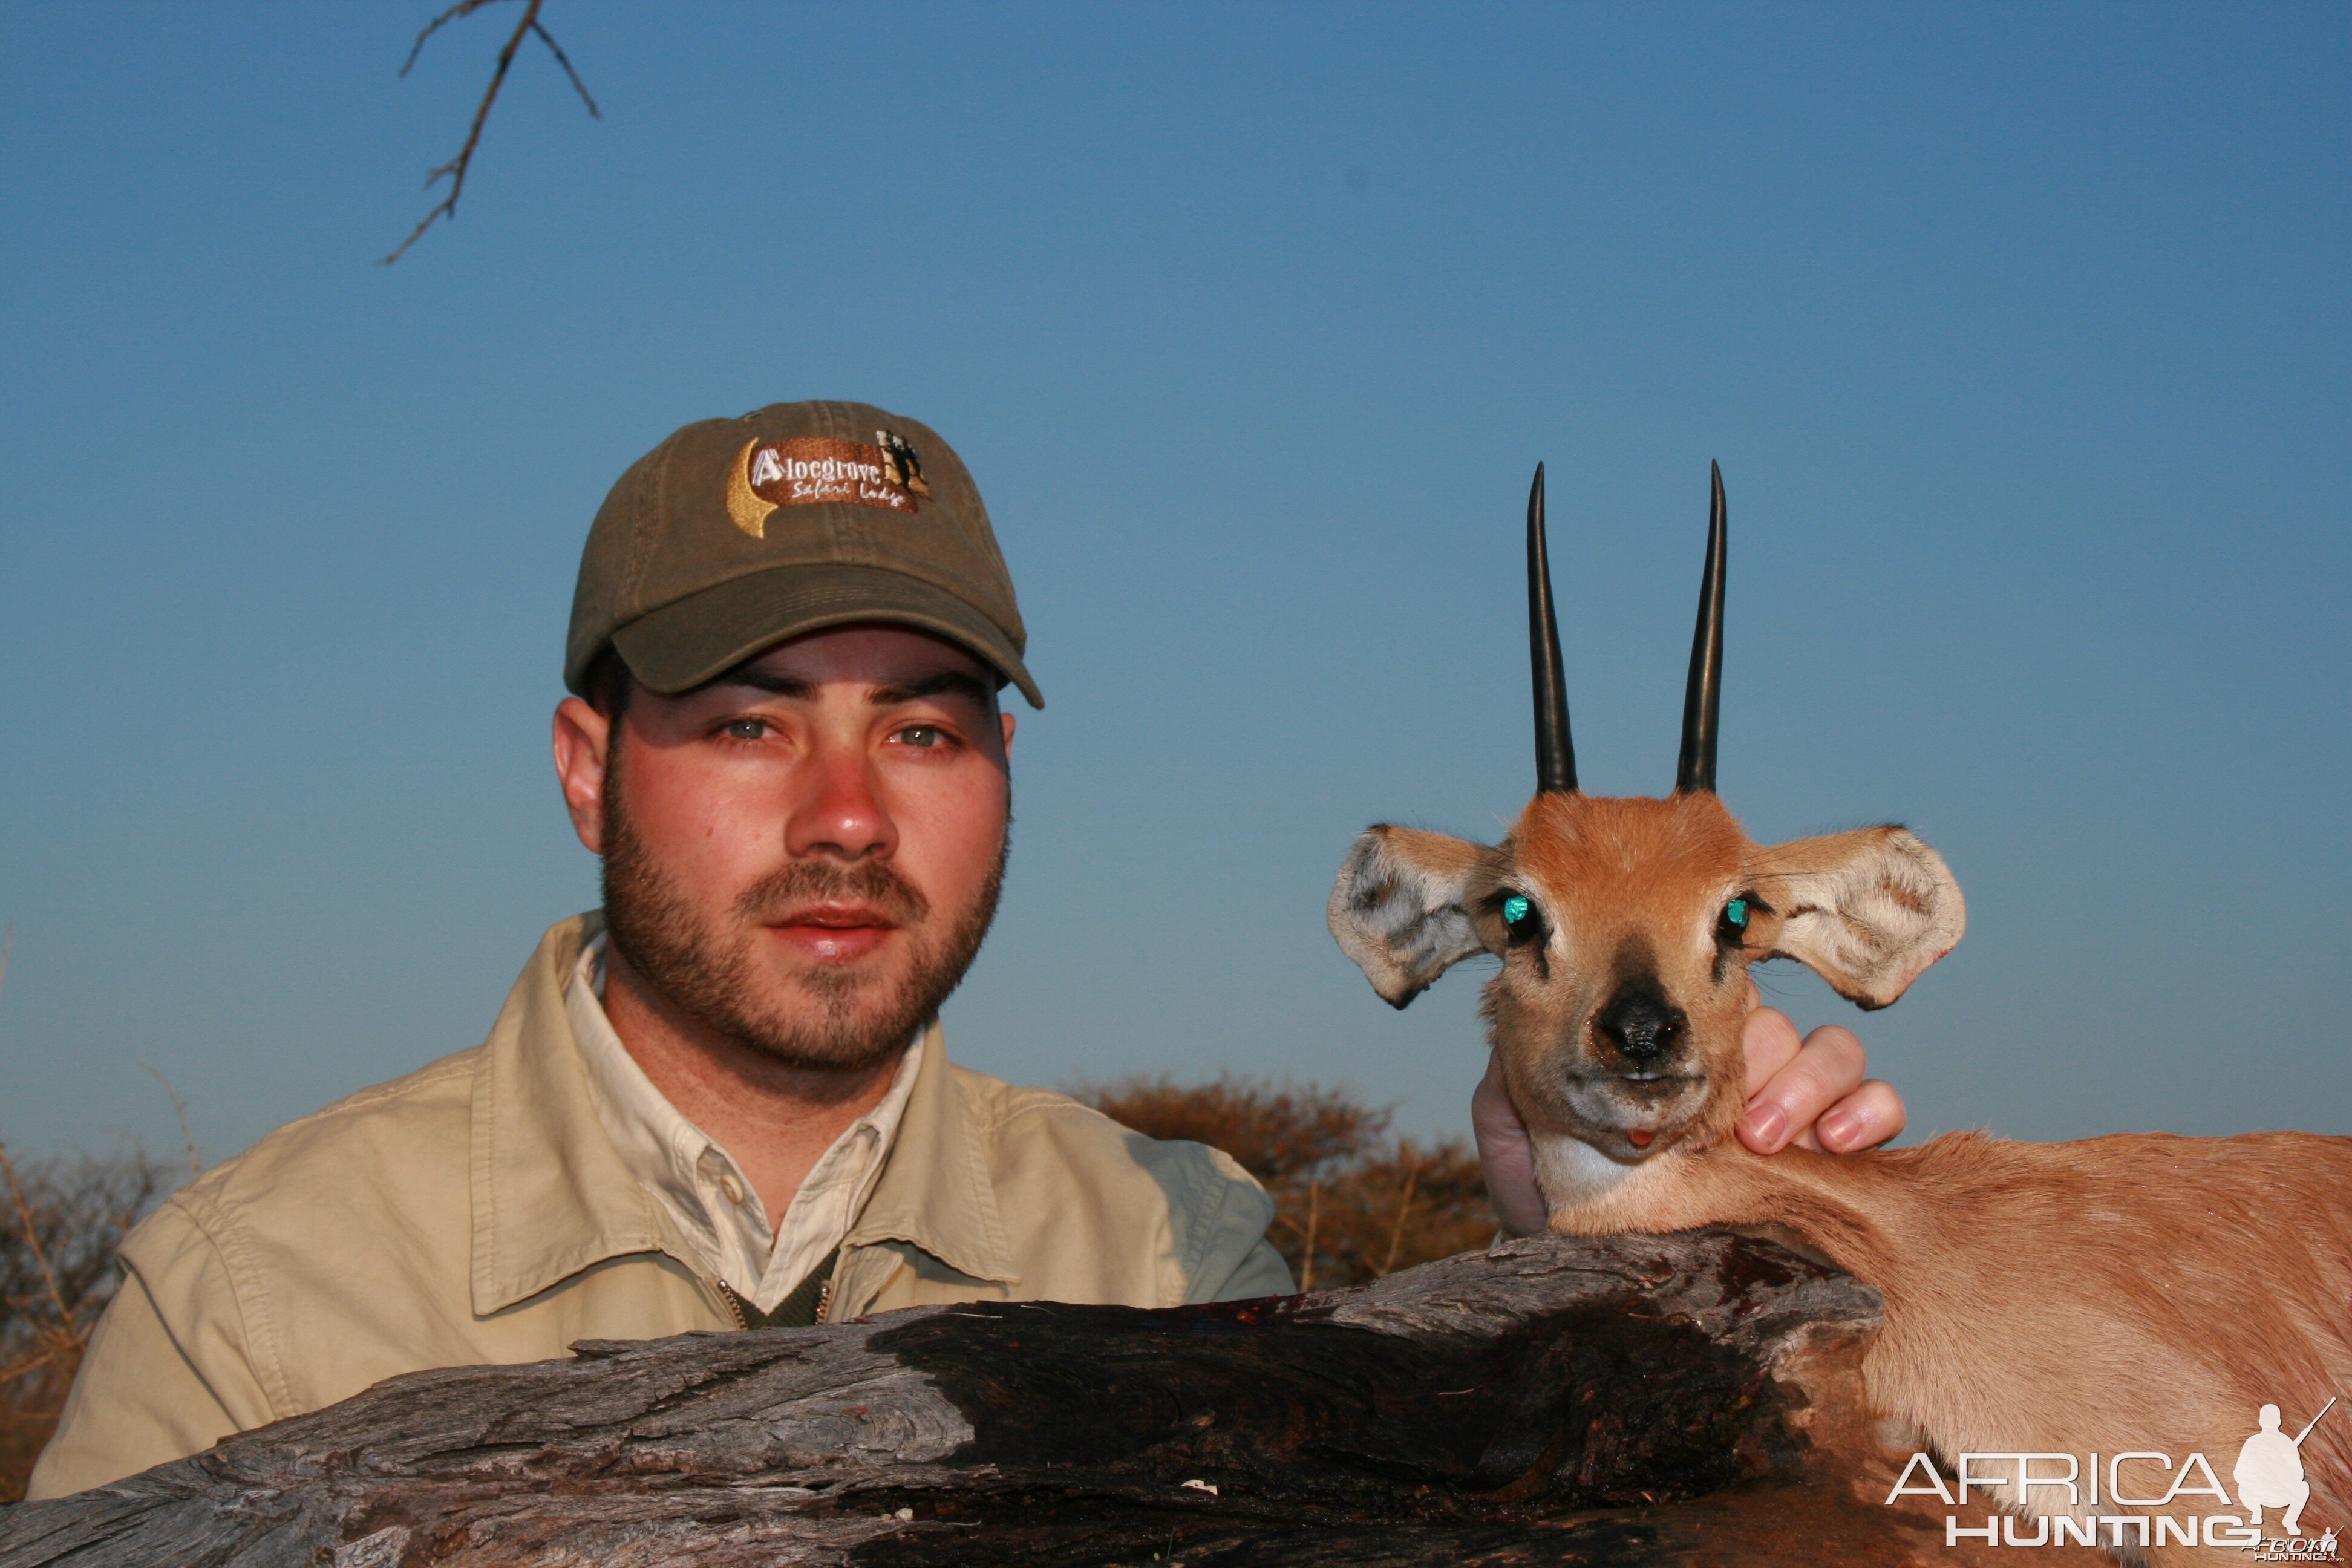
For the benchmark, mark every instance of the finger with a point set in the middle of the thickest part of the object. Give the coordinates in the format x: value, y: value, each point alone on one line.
x: 1507, y: 1153
x: 1754, y: 994
x: 1490, y: 1103
x: 1770, y: 1042
x: 1872, y: 1114
x: 1826, y: 1068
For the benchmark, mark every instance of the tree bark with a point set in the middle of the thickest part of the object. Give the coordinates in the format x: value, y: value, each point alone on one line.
x: 1628, y: 1401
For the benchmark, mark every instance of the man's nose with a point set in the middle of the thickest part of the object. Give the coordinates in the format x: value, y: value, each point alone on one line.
x: 841, y: 813
x: 1641, y: 1024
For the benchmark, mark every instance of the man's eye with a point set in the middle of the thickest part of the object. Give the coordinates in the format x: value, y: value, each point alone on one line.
x: 747, y: 729
x: 920, y: 735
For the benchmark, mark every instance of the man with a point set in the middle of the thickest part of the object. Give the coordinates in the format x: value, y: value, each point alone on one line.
x: 725, y: 1100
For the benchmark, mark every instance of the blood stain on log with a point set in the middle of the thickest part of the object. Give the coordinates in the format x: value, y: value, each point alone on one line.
x: 1589, y: 1406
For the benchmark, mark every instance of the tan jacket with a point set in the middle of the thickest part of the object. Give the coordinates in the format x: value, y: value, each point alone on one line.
x: 476, y: 1211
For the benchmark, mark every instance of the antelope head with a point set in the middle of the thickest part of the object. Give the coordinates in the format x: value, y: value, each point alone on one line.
x: 1625, y: 927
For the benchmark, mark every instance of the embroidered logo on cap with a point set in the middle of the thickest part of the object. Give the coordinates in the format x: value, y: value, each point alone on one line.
x: 811, y: 469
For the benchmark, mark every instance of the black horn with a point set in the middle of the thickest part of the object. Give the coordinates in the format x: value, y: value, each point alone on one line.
x: 1555, y: 752
x: 1703, y: 698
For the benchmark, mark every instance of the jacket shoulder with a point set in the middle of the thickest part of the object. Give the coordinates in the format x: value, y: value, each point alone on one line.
x: 1074, y: 1171
x: 1008, y: 1111
x: 389, y: 1161
x: 332, y: 1176
x: 378, y: 1134
x: 319, y: 1200
x: 1011, y: 1110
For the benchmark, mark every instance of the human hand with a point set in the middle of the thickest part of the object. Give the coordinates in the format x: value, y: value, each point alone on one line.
x: 1506, y: 1152
x: 1809, y: 1091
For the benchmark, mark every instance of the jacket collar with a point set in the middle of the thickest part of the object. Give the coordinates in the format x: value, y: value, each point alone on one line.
x: 935, y: 1192
x: 551, y: 1195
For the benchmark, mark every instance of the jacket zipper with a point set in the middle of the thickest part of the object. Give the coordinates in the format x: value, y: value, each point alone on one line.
x: 726, y: 1298
x: 736, y: 1308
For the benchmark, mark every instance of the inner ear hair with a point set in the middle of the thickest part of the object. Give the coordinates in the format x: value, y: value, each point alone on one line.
x: 1397, y: 908
x: 1867, y: 911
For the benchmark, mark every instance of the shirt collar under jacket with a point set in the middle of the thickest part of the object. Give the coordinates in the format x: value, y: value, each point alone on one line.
x: 701, y: 1185
x: 552, y: 1194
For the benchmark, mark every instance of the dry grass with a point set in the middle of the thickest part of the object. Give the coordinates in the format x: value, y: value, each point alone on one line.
x: 64, y: 1218
x: 1350, y: 1205
x: 62, y: 1223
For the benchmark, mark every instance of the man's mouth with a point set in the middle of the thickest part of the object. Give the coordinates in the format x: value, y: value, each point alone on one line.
x: 833, y: 934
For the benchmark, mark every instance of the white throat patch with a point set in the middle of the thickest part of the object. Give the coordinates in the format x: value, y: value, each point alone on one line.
x: 1569, y: 1172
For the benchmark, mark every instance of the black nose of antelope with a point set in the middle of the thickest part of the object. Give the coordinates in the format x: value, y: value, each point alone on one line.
x: 1643, y: 1025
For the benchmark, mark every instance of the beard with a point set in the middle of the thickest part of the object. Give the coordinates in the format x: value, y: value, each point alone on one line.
x: 848, y: 1021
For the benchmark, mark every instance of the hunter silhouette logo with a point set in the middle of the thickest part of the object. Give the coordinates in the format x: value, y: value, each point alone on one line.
x: 2269, y: 1470
x: 906, y: 468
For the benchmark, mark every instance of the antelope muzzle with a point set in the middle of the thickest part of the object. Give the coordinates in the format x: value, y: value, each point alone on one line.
x: 1643, y: 1032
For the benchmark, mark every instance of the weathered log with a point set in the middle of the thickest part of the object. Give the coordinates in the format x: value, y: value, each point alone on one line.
x: 1638, y: 1400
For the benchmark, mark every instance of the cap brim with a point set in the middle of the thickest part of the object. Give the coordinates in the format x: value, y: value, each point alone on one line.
x: 704, y: 635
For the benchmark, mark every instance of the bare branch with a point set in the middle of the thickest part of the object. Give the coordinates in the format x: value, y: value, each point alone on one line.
x: 194, y: 1168
x: 25, y: 1366
x: 462, y: 8
x: 565, y: 61
x: 1313, y: 1214
x: 1404, y: 1211
x: 33, y: 1241
x: 454, y: 170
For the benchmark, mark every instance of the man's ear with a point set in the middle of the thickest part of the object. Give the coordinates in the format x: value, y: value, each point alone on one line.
x: 1397, y: 910
x: 1866, y: 910
x: 583, y: 737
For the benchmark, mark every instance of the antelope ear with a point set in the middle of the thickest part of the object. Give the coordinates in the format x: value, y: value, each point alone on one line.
x: 1397, y: 910
x: 1866, y: 910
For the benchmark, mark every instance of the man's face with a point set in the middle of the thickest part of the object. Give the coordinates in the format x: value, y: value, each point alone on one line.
x: 802, y: 857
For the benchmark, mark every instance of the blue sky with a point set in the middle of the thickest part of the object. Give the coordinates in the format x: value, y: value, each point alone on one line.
x: 2020, y: 333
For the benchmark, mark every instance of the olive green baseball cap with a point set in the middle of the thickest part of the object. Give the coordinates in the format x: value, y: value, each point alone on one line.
x: 735, y: 534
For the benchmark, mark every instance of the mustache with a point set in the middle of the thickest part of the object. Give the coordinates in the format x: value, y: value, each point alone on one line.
x: 786, y: 889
